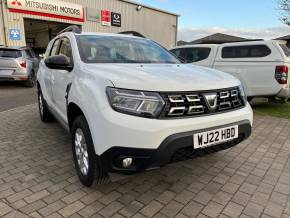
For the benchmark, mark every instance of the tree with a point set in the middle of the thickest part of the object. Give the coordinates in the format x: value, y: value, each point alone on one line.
x: 284, y: 6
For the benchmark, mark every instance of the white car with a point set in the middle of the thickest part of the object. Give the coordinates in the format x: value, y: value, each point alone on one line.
x: 131, y: 106
x: 261, y: 66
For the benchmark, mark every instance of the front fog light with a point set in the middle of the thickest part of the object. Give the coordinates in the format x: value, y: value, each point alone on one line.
x: 127, y: 162
x: 147, y: 104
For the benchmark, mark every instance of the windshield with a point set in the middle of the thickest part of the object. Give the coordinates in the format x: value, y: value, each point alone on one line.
x: 10, y: 53
x: 108, y: 49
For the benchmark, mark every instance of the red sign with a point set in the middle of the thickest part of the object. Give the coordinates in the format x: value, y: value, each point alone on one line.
x: 106, y: 18
x: 16, y: 2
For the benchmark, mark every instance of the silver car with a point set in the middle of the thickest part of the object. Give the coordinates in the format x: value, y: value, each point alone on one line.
x: 18, y: 64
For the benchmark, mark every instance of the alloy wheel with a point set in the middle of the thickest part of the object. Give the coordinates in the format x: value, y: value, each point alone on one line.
x: 40, y: 102
x: 81, y: 151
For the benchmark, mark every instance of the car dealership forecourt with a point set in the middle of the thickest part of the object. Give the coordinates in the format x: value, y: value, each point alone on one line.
x: 148, y: 115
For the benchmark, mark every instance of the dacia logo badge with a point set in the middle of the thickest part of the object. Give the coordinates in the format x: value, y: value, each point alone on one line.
x: 211, y: 101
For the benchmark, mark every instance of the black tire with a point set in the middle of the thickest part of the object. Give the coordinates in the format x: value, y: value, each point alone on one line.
x: 44, y: 112
x: 285, y: 100
x: 94, y: 171
x: 31, y: 81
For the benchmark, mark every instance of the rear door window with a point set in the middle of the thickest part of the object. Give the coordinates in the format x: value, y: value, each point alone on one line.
x: 191, y: 55
x: 10, y: 53
x: 196, y: 54
x: 252, y: 51
x: 176, y: 52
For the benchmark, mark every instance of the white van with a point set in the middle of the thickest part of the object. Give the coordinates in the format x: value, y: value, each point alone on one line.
x: 261, y: 66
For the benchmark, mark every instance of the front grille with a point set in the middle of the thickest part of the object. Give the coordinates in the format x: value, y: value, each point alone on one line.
x: 190, y: 104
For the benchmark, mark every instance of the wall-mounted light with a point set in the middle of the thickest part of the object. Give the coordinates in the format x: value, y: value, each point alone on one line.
x: 139, y: 8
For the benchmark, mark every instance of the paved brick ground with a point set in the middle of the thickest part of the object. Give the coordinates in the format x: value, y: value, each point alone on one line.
x: 37, y: 178
x: 13, y: 94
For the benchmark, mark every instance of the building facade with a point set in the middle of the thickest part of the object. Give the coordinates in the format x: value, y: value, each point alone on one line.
x: 35, y: 22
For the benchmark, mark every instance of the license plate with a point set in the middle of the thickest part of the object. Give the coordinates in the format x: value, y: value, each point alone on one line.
x: 217, y: 136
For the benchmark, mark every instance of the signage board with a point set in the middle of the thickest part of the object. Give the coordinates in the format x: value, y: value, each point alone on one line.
x: 93, y: 15
x: 14, y: 34
x: 106, y: 18
x: 116, y: 19
x: 55, y: 9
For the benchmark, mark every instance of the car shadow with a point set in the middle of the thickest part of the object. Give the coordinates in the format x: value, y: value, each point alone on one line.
x: 11, y: 84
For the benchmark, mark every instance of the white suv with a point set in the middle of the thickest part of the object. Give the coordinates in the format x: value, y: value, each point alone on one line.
x: 132, y: 106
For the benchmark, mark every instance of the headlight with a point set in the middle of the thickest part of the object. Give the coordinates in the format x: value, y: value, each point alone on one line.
x: 139, y: 103
x: 243, y: 94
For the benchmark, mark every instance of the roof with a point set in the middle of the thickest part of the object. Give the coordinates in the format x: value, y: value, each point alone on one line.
x: 108, y: 34
x: 132, y: 33
x: 284, y: 38
x: 243, y: 43
x: 218, y: 38
x: 250, y: 42
x: 196, y: 46
x: 147, y: 6
x: 181, y: 42
x: 76, y: 30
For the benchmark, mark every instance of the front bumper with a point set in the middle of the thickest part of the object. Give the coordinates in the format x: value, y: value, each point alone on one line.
x: 14, y: 75
x: 113, y: 129
x: 174, y: 148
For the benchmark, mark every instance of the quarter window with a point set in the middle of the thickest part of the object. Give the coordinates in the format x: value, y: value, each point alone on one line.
x: 285, y: 50
x: 253, y: 51
x: 28, y: 54
x: 65, y: 48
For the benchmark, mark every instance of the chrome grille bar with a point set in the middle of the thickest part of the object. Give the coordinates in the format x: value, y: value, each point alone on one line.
x: 176, y: 98
x: 189, y: 104
x: 176, y: 111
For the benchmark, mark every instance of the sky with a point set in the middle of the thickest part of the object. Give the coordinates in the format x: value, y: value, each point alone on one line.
x: 245, y: 18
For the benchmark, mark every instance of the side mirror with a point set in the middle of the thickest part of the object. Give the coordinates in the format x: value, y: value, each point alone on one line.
x: 58, y: 62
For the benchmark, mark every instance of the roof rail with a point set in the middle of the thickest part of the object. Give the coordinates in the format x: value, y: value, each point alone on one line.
x: 132, y: 33
x: 72, y: 28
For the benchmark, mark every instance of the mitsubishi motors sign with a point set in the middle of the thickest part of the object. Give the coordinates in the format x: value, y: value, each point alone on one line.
x: 55, y: 9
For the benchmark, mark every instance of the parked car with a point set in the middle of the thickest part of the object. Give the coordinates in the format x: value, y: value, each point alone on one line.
x: 261, y: 66
x: 18, y: 64
x: 130, y: 105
